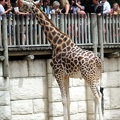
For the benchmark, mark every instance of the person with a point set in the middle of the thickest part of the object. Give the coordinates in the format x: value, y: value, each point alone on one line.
x: 19, y: 11
x: 97, y: 7
x: 78, y: 3
x: 76, y: 8
x: 82, y: 8
x: 66, y: 6
x: 40, y: 4
x: 2, y: 9
x: 18, y: 8
x: 115, y: 9
x: 7, y: 4
x: 46, y: 8
x: 56, y: 9
x: 106, y: 6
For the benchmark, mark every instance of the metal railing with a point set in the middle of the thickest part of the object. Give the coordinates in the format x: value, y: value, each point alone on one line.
x: 84, y: 30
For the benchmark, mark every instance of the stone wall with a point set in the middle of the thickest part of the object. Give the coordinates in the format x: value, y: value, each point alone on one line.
x: 111, y: 81
x: 32, y: 93
x: 28, y: 90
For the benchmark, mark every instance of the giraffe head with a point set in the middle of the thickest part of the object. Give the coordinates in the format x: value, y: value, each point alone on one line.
x: 27, y: 6
x: 30, y: 6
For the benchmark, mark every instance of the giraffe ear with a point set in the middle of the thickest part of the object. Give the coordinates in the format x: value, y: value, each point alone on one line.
x: 28, y: 4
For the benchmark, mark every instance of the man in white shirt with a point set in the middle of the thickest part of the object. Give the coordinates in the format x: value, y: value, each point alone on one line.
x: 2, y: 9
x: 106, y: 7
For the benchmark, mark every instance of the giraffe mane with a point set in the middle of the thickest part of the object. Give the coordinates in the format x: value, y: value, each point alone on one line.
x: 50, y: 21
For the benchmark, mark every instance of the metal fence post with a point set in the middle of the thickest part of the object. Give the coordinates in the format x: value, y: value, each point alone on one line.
x: 101, y: 39
x: 100, y: 35
x: 94, y: 30
x: 62, y: 22
x: 53, y: 19
x: 5, y: 45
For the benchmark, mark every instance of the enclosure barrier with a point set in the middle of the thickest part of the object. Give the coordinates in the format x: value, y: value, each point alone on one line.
x: 85, y: 30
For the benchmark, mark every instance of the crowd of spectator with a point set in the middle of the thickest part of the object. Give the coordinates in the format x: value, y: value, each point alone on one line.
x: 76, y: 7
x: 59, y: 7
x: 62, y: 6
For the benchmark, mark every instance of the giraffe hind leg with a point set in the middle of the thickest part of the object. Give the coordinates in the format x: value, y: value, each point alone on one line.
x: 97, y: 100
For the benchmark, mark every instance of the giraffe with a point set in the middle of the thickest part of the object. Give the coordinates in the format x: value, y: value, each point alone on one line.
x: 69, y: 60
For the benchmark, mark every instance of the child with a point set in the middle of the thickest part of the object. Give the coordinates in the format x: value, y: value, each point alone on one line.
x: 56, y: 9
x: 2, y: 9
x: 116, y: 9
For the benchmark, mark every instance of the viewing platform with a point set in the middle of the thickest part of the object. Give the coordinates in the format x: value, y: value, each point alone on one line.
x: 22, y: 35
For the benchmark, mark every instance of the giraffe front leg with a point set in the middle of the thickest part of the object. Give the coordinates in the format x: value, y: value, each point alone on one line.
x: 66, y: 113
x: 66, y: 99
x: 63, y: 83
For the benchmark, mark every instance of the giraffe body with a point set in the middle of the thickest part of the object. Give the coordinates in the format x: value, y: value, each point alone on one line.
x: 69, y: 60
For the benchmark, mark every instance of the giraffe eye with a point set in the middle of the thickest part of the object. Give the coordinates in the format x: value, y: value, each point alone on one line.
x: 36, y: 10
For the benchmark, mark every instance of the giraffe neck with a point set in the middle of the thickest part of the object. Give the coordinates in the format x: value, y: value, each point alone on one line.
x: 48, y: 27
x: 58, y: 40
